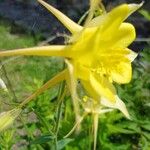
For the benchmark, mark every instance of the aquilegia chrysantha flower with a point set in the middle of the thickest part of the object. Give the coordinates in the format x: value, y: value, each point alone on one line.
x: 96, y: 54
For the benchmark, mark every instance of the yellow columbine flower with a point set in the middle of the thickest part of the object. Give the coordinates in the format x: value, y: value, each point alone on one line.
x: 96, y: 54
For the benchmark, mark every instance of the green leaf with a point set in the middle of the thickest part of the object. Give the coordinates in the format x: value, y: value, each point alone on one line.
x: 147, y: 135
x: 145, y: 13
x: 62, y: 143
x: 144, y: 143
x: 43, y: 139
x: 146, y: 126
x: 116, y: 129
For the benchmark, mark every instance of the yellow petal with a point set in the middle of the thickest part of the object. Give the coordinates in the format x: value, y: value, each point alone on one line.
x: 58, y: 50
x: 83, y: 43
x: 119, y: 104
x: 72, y: 84
x: 115, y: 17
x: 124, y: 36
x: 133, y: 7
x: 100, y: 86
x: 82, y: 72
x: 67, y: 22
x: 123, y: 73
x: 89, y: 88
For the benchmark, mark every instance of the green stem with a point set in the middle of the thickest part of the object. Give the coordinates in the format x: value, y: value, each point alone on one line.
x: 83, y: 17
x: 61, y: 94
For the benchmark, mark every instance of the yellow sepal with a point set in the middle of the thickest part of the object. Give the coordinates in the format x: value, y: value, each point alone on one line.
x: 54, y: 50
x: 67, y: 22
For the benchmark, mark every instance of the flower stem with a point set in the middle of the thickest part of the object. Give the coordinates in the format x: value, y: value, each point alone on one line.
x: 61, y: 95
x: 95, y: 129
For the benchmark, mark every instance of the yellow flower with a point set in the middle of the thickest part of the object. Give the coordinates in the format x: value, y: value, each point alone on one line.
x: 96, y: 53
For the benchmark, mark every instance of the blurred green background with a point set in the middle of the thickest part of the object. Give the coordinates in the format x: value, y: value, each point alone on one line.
x: 26, y: 24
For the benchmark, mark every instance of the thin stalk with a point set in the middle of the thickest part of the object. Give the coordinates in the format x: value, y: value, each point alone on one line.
x: 61, y: 95
x: 62, y: 88
x: 76, y: 125
x: 95, y: 125
x: 59, y: 112
x: 90, y: 132
x: 83, y: 17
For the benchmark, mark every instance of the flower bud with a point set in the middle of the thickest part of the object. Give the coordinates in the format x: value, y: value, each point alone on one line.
x: 7, y: 118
